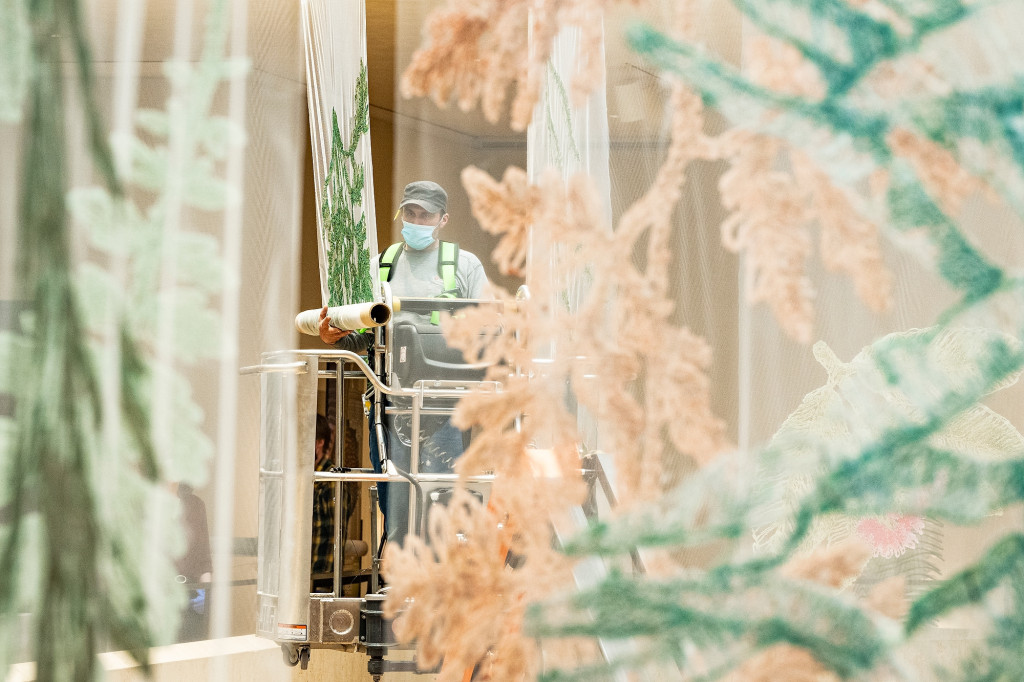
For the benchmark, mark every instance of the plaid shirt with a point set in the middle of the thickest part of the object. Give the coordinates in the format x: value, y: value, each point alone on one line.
x: 322, y: 554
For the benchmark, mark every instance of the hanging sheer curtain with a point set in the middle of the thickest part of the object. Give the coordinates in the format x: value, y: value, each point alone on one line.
x: 149, y: 209
x: 338, y: 94
x: 804, y: 278
x: 568, y: 138
x: 182, y: 183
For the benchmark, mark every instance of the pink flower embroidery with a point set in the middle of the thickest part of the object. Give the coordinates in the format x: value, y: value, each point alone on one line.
x: 891, y: 535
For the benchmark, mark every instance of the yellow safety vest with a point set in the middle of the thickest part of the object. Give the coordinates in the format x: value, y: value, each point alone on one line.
x: 447, y: 262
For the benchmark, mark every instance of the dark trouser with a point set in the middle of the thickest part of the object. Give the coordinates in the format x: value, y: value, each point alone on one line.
x: 440, y: 445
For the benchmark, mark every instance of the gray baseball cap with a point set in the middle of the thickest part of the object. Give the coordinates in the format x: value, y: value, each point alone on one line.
x: 427, y: 194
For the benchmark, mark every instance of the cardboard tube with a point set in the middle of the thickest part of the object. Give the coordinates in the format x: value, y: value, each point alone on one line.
x: 352, y: 316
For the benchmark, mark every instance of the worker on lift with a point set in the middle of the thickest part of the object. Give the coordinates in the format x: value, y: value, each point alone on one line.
x: 420, y: 266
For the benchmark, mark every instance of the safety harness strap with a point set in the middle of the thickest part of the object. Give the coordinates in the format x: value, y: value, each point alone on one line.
x: 388, y: 259
x: 447, y: 262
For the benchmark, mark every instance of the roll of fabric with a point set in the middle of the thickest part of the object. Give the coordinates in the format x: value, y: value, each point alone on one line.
x: 353, y: 316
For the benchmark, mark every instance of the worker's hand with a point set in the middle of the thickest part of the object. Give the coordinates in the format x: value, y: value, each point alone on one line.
x: 328, y: 334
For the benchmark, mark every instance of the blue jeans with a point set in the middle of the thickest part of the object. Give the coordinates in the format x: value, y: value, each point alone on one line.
x: 440, y: 445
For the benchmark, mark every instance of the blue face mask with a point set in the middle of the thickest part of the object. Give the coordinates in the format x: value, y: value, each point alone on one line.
x: 418, y: 237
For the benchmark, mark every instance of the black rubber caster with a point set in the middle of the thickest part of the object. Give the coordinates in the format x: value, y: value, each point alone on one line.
x: 295, y: 656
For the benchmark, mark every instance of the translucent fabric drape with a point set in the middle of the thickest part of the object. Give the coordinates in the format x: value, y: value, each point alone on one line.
x: 151, y: 184
x: 337, y: 83
x: 775, y: 293
x: 806, y: 369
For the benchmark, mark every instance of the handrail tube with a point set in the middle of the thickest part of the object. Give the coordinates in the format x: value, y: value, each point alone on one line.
x: 339, y: 488
x: 422, y: 305
x: 369, y: 374
x: 397, y: 478
x: 283, y: 367
x: 441, y: 411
